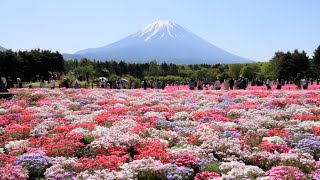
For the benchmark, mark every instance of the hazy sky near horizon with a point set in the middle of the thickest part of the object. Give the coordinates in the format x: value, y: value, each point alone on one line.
x: 249, y: 28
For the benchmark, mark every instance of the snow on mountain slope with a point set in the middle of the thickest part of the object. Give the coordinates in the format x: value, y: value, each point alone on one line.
x: 164, y: 41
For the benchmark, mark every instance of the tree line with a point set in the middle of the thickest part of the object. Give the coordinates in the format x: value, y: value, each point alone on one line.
x: 30, y: 65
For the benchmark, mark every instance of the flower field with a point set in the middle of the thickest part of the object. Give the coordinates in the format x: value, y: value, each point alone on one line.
x: 166, y: 134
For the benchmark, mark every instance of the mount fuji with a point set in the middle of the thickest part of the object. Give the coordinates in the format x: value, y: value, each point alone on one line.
x: 2, y: 48
x: 163, y: 41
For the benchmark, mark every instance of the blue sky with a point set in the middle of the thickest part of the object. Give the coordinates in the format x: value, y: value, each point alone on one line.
x: 253, y: 29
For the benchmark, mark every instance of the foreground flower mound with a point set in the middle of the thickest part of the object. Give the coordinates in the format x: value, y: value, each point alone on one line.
x: 175, y: 135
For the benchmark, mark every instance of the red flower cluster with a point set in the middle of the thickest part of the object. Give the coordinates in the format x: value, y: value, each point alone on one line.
x: 270, y: 147
x: 194, y: 140
x: 278, y: 132
x: 316, y: 130
x: 111, y: 162
x: 16, y: 132
x: 206, y: 175
x: 62, y: 144
x: 152, y: 148
x: 306, y: 117
x: 186, y: 160
x: 209, y: 113
x: 6, y: 159
x: 104, y: 117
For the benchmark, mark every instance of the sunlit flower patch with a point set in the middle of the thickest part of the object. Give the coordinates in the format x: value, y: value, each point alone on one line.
x: 160, y: 134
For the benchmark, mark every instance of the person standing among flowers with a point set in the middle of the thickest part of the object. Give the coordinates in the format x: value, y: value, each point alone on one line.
x: 192, y: 84
x: 268, y: 83
x: 10, y: 83
x: 158, y: 84
x: 226, y: 83
x: 297, y: 81
x: 144, y: 84
x: 217, y: 85
x: 42, y: 83
x: 231, y: 83
x: 52, y: 83
x: 199, y: 84
x: 19, y: 83
x: 279, y: 83
x: 305, y: 82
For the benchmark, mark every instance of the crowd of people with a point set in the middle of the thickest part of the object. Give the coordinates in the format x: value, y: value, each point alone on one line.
x: 229, y: 83
x: 301, y: 82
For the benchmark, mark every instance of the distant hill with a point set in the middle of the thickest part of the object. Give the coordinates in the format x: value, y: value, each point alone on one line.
x: 2, y: 48
x: 163, y: 41
x: 72, y: 56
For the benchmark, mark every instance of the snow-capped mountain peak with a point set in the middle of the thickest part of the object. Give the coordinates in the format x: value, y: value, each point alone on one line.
x: 164, y: 41
x: 162, y: 29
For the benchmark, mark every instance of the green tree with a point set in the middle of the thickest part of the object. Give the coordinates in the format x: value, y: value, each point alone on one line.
x: 235, y: 70
x: 250, y: 71
x: 85, y: 72
x: 154, y: 69
x: 267, y: 70
x: 316, y: 62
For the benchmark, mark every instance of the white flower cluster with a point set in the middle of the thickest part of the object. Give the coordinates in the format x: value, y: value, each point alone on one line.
x: 236, y: 112
x: 16, y: 144
x: 80, y: 130
x: 1, y: 151
x: 2, y: 111
x: 165, y: 135
x: 160, y: 115
x: 143, y: 165
x: 238, y: 170
x: 274, y: 140
x: 1, y: 130
x: 307, y: 125
x: 59, y: 166
x: 124, y: 126
x: 104, y: 175
x: 182, y: 115
x: 100, y: 131
x: 112, y: 138
x: 176, y: 152
x: 227, y: 147
x: 297, y: 109
x: 42, y: 128
x: 292, y: 158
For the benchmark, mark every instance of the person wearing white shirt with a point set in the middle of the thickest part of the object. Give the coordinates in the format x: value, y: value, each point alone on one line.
x: 217, y: 85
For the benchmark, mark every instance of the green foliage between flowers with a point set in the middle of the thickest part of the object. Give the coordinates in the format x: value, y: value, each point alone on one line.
x: 150, y: 176
x: 88, y: 139
x: 212, y: 167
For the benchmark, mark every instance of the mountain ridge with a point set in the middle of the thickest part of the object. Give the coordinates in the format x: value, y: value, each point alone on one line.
x: 2, y: 49
x: 164, y: 41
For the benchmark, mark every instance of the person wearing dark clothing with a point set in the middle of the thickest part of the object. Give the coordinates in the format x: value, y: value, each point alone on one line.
x: 243, y: 83
x: 158, y: 84
x: 10, y: 83
x: 163, y: 85
x: 199, y: 85
x: 279, y: 83
x: 2, y: 86
x: 65, y: 83
x: 145, y: 84
x: 152, y: 84
x: 268, y: 83
x: 231, y: 83
x: 192, y: 84
x: 297, y: 81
